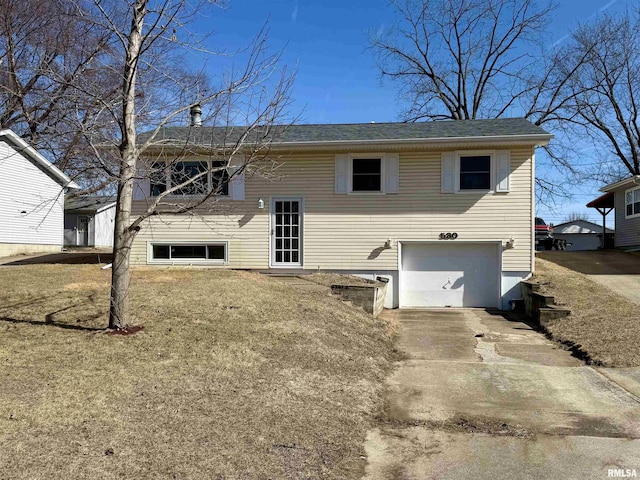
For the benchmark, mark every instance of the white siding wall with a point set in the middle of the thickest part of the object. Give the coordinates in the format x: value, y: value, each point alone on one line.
x: 103, y: 227
x: 24, y: 187
x: 347, y: 232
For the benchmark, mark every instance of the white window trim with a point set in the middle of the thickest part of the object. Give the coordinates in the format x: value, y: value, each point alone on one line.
x: 472, y: 153
x: 174, y: 196
x: 383, y: 175
x: 187, y: 261
x: 630, y: 190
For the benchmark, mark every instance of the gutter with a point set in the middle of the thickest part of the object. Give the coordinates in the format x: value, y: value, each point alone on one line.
x: 537, y: 140
x: 635, y: 180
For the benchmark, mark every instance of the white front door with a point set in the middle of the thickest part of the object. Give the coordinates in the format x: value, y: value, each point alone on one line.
x: 286, y: 232
x: 450, y: 275
x: 83, y: 230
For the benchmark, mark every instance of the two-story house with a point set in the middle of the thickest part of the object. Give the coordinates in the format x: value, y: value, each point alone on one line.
x: 443, y: 210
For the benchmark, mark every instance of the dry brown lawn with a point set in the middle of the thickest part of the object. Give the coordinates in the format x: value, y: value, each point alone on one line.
x: 235, y: 375
x: 329, y: 279
x: 602, y: 323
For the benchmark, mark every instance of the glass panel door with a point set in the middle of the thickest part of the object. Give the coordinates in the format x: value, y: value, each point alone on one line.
x: 286, y: 233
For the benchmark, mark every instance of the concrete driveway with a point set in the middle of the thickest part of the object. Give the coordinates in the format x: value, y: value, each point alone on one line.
x: 484, y: 397
x: 618, y: 271
x: 71, y: 256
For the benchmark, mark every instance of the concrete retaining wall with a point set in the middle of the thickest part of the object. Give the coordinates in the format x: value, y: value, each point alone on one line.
x: 540, y: 307
x: 371, y: 298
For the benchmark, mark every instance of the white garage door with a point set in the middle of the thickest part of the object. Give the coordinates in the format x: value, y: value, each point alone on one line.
x: 449, y: 275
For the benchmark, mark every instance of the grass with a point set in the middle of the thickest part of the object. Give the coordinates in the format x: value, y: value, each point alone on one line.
x: 602, y: 323
x: 329, y: 279
x: 234, y: 376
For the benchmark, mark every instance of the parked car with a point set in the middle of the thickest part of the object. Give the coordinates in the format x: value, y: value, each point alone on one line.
x: 544, y: 236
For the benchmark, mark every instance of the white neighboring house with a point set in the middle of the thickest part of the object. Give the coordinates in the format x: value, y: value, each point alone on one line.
x: 580, y: 234
x: 88, y: 221
x: 31, y: 198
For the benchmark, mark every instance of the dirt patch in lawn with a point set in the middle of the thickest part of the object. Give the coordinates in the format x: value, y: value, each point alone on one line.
x: 602, y: 323
x: 329, y: 279
x: 234, y: 376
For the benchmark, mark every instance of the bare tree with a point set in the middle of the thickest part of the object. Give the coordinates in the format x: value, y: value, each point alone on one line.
x: 47, y: 56
x: 460, y: 59
x: 149, y: 40
x: 575, y: 216
x: 602, y: 95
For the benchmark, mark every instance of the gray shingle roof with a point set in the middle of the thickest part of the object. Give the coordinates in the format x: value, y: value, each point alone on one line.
x: 87, y: 203
x: 356, y: 132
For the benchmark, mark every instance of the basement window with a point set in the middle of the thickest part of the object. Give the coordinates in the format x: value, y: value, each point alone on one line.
x: 210, y: 253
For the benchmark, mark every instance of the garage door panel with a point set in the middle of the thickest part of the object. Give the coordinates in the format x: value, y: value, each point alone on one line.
x: 460, y: 275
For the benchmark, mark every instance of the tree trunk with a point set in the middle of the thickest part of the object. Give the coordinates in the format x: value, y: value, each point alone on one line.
x: 122, y: 240
x: 123, y: 232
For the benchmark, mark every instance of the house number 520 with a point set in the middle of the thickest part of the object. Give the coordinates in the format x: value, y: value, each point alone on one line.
x: 448, y: 236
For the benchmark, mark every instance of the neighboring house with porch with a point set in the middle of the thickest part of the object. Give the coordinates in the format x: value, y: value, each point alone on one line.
x: 443, y: 210
x: 624, y: 198
x: 580, y: 234
x: 31, y: 199
x: 89, y: 221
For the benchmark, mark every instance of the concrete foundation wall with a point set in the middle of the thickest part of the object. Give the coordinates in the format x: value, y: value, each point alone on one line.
x: 9, y: 249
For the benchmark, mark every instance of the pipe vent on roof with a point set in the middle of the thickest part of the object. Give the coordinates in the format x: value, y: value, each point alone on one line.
x: 196, y: 115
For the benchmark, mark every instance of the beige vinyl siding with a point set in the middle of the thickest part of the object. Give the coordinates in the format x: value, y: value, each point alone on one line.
x: 627, y: 229
x: 349, y: 231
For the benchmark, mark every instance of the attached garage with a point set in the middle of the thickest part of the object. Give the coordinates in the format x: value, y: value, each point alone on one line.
x: 450, y: 274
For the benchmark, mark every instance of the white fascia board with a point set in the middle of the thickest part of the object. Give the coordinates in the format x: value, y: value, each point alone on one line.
x: 627, y: 182
x: 536, y: 140
x: 53, y: 171
x: 106, y: 206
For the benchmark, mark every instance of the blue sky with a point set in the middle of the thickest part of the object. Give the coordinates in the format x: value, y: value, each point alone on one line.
x: 337, y: 79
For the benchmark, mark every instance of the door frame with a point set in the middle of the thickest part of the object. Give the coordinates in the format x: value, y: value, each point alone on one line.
x: 272, y: 208
x: 87, y: 230
x: 499, y: 250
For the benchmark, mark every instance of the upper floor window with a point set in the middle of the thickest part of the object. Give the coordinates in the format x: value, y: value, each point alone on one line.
x: 475, y: 172
x: 201, y: 177
x: 632, y: 202
x: 366, y: 175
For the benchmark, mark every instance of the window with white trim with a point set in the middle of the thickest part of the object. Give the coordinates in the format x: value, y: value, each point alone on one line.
x: 207, y: 175
x: 474, y: 172
x: 189, y: 252
x: 366, y: 174
x: 632, y: 202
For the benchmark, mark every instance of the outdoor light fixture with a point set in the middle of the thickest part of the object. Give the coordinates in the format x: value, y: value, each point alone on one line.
x: 511, y: 242
x: 261, y: 203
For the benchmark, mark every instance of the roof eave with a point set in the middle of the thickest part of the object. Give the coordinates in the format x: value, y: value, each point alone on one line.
x: 538, y: 140
x: 534, y: 140
x: 53, y: 171
x: 634, y: 180
x: 106, y: 206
